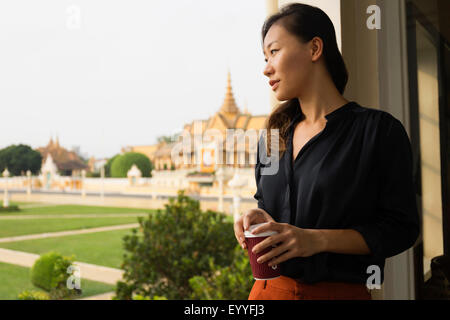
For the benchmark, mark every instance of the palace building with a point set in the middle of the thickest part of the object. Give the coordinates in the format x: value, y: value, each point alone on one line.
x: 201, y: 158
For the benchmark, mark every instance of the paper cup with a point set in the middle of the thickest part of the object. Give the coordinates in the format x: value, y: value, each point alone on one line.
x: 261, y: 271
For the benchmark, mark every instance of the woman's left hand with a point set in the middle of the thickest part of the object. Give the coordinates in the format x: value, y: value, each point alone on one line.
x: 290, y: 242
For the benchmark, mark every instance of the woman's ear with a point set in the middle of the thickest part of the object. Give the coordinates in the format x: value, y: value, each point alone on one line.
x: 316, y: 48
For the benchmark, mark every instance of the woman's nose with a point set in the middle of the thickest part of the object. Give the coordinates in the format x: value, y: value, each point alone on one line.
x: 268, y: 70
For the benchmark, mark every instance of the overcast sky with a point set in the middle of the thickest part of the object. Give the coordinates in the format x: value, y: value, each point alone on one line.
x: 103, y: 74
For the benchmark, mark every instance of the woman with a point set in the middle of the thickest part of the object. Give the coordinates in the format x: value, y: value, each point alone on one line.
x: 342, y: 200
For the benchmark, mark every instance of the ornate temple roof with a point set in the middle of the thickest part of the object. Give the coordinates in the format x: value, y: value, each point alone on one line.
x: 229, y: 104
x: 64, y: 159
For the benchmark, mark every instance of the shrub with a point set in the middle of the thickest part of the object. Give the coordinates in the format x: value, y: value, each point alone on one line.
x: 176, y: 244
x: 233, y: 282
x: 49, y: 272
x: 33, y: 295
x: 122, y: 163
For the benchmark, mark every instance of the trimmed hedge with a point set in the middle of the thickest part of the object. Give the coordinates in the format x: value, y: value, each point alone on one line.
x: 122, y: 163
x: 49, y: 272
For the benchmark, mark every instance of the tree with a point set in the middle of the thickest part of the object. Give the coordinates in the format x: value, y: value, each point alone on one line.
x: 19, y: 159
x: 172, y: 246
x: 122, y: 163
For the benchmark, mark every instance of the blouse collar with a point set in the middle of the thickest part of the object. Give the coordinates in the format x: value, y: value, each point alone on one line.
x: 330, y: 117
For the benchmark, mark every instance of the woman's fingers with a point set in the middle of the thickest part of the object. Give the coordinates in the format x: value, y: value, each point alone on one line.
x: 246, y: 219
x: 271, y: 241
x: 286, y: 255
x: 238, y: 230
x: 253, y: 216
x: 270, y: 226
x: 278, y: 253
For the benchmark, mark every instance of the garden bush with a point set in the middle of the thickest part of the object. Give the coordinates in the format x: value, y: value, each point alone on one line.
x: 49, y: 272
x: 174, y: 245
x: 122, y: 163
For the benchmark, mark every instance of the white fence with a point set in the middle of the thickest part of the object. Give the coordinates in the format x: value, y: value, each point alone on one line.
x: 162, y: 182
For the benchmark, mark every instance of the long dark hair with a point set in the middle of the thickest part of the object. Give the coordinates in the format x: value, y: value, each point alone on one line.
x: 305, y: 22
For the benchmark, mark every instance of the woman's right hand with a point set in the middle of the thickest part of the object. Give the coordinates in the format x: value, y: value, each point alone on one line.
x: 251, y: 217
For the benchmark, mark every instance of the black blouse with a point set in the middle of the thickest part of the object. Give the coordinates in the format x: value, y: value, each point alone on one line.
x: 355, y: 174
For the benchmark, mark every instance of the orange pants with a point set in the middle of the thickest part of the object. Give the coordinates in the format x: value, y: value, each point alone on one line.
x: 284, y: 288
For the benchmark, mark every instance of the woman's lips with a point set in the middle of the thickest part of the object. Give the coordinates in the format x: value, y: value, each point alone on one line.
x: 274, y: 84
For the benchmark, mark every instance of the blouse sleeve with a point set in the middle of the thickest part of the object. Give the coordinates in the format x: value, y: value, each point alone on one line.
x: 258, y: 195
x: 395, y: 226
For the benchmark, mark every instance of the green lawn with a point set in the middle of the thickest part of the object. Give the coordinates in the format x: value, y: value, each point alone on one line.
x: 11, y: 228
x: 100, y: 248
x: 16, y: 279
x: 74, y: 209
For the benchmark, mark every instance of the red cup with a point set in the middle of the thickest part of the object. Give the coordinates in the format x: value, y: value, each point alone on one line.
x: 261, y: 271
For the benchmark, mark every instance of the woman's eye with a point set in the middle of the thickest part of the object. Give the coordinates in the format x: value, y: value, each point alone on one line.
x: 271, y: 52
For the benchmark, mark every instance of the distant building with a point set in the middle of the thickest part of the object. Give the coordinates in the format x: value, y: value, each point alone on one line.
x: 67, y: 162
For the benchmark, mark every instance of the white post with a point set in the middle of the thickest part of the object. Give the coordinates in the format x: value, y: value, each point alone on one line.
x: 102, y: 177
x: 6, y: 195
x: 83, y: 177
x: 29, y: 183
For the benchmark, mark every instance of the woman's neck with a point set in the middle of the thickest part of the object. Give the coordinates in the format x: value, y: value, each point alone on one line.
x: 322, y: 98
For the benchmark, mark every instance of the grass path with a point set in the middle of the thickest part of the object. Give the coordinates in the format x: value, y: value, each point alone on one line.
x: 67, y: 233
x: 46, y: 209
x: 14, y: 228
x: 70, y: 216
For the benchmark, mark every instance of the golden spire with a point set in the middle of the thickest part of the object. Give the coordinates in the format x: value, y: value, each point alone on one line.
x: 229, y: 105
x: 50, y: 143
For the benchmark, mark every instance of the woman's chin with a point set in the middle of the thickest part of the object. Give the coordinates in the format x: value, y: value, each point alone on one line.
x: 281, y: 97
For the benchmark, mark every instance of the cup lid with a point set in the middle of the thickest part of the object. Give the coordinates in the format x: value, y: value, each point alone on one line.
x: 248, y: 233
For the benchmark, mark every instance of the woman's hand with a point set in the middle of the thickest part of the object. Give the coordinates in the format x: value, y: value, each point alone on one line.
x: 252, y: 216
x: 290, y: 242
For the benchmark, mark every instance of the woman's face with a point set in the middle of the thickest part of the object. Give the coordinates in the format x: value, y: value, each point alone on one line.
x: 289, y: 63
